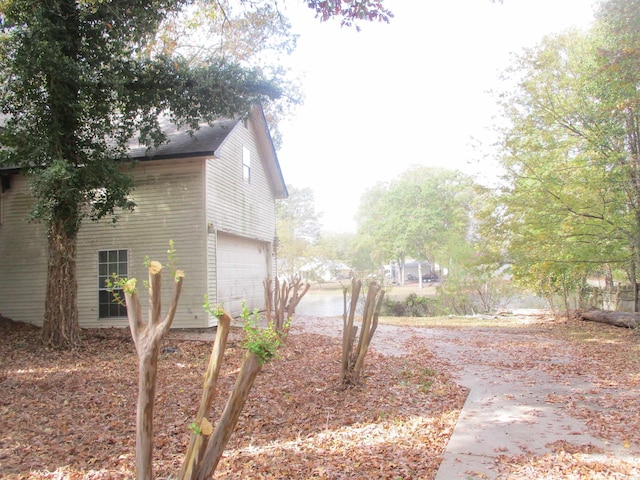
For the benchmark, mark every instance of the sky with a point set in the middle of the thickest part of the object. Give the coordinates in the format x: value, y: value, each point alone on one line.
x: 416, y: 91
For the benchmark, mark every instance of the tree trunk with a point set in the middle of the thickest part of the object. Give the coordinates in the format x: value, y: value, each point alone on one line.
x: 618, y: 319
x: 195, y: 452
x: 352, y: 362
x: 148, y: 338
x: 251, y: 366
x: 147, y: 374
x: 349, y: 330
x: 372, y: 307
x: 281, y: 301
x: 61, y: 328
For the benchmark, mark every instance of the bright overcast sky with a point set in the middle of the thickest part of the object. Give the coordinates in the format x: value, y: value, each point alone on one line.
x: 411, y: 92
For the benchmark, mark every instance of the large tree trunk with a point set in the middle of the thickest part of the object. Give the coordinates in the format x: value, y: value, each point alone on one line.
x: 60, y: 328
x: 618, y: 319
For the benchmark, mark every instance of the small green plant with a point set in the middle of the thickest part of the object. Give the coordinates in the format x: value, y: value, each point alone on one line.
x: 195, y: 428
x: 426, y: 377
x: 116, y: 284
x: 215, y: 310
x: 262, y: 342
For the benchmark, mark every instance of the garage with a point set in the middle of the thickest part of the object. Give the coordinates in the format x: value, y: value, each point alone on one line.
x: 243, y: 264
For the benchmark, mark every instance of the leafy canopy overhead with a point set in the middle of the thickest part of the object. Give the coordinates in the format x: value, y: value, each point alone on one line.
x: 77, y: 85
x: 351, y: 11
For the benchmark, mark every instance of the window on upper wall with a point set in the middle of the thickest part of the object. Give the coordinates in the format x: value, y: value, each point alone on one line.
x: 246, y: 165
x: 110, y: 262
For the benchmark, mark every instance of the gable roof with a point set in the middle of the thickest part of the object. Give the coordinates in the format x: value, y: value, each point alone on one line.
x: 205, y: 143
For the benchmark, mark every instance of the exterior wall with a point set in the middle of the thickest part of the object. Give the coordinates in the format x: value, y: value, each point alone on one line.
x: 23, y: 250
x: 170, y: 201
x: 242, y: 266
x: 170, y: 197
x: 188, y: 201
x: 235, y: 207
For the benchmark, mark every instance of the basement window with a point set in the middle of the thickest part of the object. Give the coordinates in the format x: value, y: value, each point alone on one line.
x: 111, y: 262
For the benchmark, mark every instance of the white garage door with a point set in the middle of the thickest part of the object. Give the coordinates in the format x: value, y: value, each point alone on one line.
x: 242, y: 267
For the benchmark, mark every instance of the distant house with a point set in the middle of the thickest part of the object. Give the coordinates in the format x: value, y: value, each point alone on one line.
x: 213, y: 194
x: 325, y: 271
x: 411, y: 271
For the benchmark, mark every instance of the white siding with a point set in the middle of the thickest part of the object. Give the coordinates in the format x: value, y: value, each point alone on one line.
x: 241, y: 209
x: 188, y: 201
x: 234, y: 206
x: 243, y: 264
x: 170, y: 200
x: 23, y: 247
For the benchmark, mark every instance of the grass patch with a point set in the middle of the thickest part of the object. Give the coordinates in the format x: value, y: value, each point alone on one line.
x: 457, y: 322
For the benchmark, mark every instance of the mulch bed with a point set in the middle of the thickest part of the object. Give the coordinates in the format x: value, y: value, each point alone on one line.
x: 71, y: 414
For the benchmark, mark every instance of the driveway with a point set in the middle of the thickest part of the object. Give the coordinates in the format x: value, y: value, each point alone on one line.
x: 519, y: 380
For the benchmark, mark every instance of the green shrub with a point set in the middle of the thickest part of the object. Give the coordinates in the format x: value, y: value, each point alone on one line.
x: 411, y: 306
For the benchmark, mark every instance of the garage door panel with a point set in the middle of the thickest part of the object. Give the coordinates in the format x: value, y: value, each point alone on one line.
x: 242, y: 268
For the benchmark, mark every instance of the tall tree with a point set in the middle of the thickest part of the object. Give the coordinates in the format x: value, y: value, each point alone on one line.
x: 76, y: 86
x: 571, y: 202
x: 422, y: 215
x: 376, y: 230
x: 297, y: 227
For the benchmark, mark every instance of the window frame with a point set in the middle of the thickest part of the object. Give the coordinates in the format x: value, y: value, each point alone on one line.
x: 246, y: 165
x: 109, y: 262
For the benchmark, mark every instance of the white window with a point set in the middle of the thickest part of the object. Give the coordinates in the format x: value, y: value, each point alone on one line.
x: 111, y: 262
x: 246, y: 165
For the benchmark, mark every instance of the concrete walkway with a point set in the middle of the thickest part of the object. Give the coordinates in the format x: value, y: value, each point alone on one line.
x: 515, y: 405
x: 512, y: 408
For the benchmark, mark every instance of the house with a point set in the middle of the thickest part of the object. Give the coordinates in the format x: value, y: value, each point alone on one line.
x: 212, y: 193
x: 412, y: 270
x: 325, y: 271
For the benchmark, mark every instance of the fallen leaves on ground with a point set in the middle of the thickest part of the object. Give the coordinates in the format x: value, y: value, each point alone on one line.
x: 71, y: 414
x: 607, y: 360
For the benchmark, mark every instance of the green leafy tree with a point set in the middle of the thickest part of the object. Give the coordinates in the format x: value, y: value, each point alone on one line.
x: 375, y: 232
x: 424, y: 214
x: 571, y: 201
x: 297, y: 227
x: 76, y: 86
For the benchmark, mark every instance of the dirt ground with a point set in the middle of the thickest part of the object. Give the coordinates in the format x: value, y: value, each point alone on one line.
x: 547, y: 398
x: 71, y: 414
x: 524, y: 397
